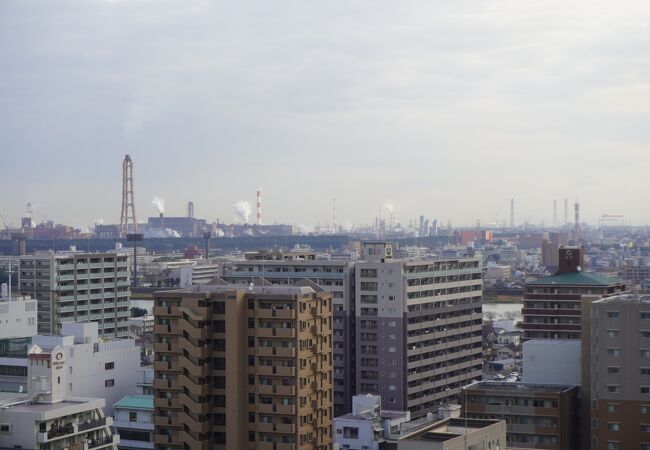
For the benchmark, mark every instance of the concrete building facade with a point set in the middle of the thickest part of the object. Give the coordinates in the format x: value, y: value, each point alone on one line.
x: 335, y: 276
x: 538, y: 416
x: 46, y: 418
x: 418, y: 328
x: 94, y: 369
x: 616, y: 374
x: 243, y: 368
x: 78, y: 287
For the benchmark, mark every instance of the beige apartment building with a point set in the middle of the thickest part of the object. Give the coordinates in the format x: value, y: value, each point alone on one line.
x: 243, y: 368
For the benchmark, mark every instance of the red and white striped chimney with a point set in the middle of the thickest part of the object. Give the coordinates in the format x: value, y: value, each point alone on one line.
x: 259, y: 206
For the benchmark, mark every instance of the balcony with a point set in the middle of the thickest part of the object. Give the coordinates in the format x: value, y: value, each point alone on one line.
x: 551, y: 312
x: 276, y: 313
x: 103, y: 442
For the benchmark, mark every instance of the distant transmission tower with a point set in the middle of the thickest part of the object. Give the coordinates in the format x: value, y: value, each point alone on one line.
x: 127, y: 198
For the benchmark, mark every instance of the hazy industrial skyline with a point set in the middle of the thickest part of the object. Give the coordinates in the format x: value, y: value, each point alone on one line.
x: 447, y: 110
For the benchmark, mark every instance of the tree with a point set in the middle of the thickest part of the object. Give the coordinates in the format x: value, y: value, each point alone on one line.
x: 138, y: 312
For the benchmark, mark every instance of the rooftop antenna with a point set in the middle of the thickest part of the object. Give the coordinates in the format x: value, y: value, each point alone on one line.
x: 334, y: 213
x: 10, y: 272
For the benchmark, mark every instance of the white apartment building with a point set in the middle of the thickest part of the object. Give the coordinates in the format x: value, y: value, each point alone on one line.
x: 46, y: 418
x: 94, y: 369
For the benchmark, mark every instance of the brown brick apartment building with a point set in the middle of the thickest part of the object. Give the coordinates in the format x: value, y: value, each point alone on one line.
x: 243, y: 369
x: 538, y: 416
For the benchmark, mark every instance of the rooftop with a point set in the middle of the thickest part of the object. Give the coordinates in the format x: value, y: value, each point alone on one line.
x: 257, y: 290
x: 576, y: 278
x: 144, y: 402
x: 625, y: 298
x: 518, y: 387
x: 448, y: 429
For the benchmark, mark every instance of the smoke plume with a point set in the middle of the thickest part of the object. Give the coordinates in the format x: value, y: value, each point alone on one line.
x: 159, y: 203
x: 243, y: 210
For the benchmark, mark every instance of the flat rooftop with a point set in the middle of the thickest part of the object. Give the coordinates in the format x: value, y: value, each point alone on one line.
x: 625, y: 298
x: 518, y: 387
x: 257, y: 290
x: 575, y: 279
x: 144, y: 402
x: 47, y: 407
x: 449, y: 429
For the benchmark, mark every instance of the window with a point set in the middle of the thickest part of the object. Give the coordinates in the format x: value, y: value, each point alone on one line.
x: 613, y: 388
x: 5, y: 428
x: 613, y: 370
x: 645, y: 370
x: 614, y: 352
x: 612, y: 314
x: 612, y: 407
x: 645, y: 333
x: 645, y: 315
x: 109, y: 383
x: 613, y: 333
x: 611, y: 445
x: 351, y: 432
x: 645, y: 428
x: 645, y: 389
x: 645, y: 409
x: 614, y: 426
x: 392, y: 349
x: 109, y: 366
x: 645, y: 353
x: 133, y: 416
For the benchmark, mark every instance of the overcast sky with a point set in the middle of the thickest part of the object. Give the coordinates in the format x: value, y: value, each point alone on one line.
x: 442, y: 108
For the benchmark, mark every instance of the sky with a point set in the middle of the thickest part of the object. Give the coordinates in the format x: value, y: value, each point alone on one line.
x: 446, y: 109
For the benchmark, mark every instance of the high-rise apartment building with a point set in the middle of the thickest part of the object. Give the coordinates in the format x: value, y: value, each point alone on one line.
x: 552, y: 305
x: 616, y: 373
x: 418, y: 328
x: 335, y: 276
x: 78, y: 287
x: 243, y: 368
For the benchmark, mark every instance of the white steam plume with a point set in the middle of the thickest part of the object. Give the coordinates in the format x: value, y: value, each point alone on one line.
x: 389, y: 207
x: 243, y: 210
x: 159, y: 203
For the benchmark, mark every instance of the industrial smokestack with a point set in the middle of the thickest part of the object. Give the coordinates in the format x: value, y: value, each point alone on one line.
x: 576, y: 229
x: 512, y: 213
x: 162, y: 222
x: 554, y: 212
x: 259, y: 206
x: 190, y: 210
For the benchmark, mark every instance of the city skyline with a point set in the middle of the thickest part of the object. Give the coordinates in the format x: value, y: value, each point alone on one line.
x: 443, y: 110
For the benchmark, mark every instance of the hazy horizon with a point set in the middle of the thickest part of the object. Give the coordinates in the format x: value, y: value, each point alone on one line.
x: 447, y: 110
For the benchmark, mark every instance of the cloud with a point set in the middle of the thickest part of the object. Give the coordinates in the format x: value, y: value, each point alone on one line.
x: 420, y: 102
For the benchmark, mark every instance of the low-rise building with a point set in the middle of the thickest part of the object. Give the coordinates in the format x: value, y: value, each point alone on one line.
x: 95, y: 369
x: 18, y: 320
x: 367, y: 427
x: 456, y: 434
x: 133, y: 421
x: 45, y: 418
x: 141, y: 325
x: 538, y: 416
